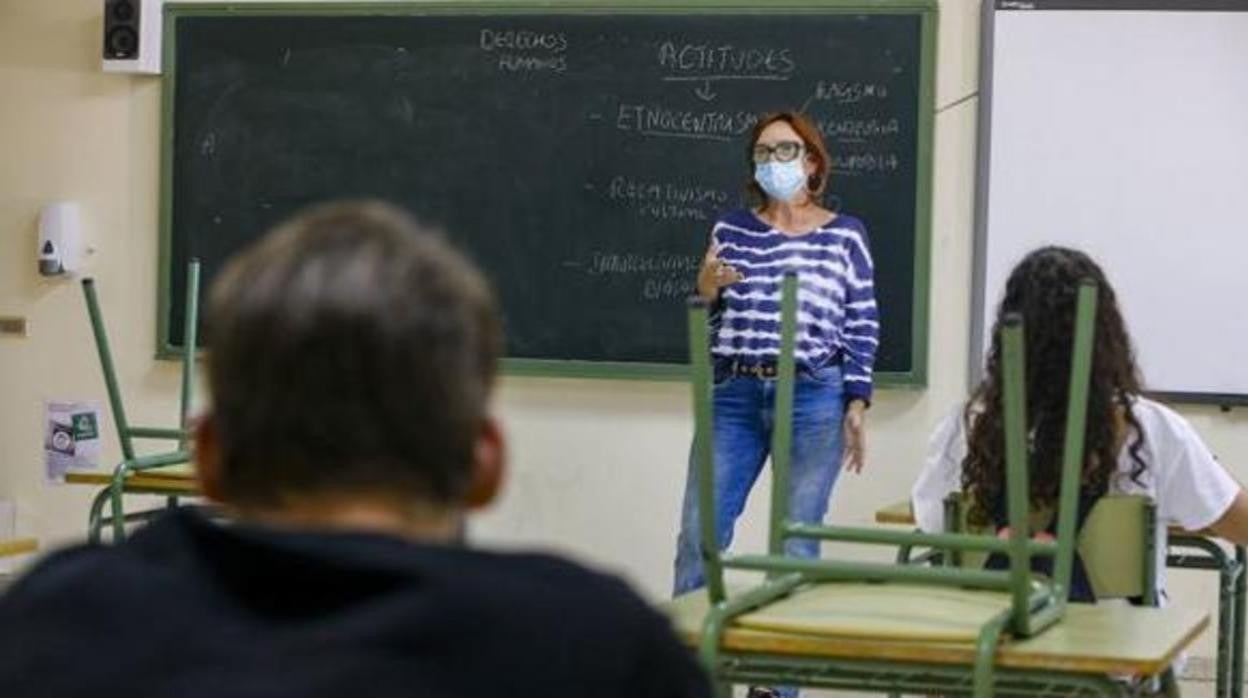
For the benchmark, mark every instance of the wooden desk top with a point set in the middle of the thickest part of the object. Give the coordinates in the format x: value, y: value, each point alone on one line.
x: 1091, y: 639
x: 18, y: 546
x: 896, y: 513
x: 174, y: 479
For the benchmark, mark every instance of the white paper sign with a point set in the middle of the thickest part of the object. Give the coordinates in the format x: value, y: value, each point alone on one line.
x: 71, y: 437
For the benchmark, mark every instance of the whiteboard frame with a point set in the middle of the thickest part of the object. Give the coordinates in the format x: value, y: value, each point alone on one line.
x: 983, y: 159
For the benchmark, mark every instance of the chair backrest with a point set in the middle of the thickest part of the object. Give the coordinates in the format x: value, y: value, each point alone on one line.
x: 1035, y: 604
x: 1117, y: 544
x: 125, y: 432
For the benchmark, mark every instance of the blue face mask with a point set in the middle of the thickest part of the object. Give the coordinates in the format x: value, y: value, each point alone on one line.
x: 781, y: 180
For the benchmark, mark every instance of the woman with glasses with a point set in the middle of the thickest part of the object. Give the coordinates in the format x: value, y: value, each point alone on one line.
x: 837, y: 335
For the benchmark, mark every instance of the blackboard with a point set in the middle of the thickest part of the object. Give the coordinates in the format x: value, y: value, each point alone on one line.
x: 579, y: 156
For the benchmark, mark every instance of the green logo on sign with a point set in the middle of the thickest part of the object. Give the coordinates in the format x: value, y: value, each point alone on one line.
x: 85, y: 427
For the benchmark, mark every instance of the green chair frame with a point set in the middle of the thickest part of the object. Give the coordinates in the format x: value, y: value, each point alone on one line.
x: 1035, y: 604
x: 113, y: 495
x: 1129, y: 520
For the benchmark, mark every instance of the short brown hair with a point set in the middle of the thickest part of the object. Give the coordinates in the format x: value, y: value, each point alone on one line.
x: 350, y: 351
x: 812, y: 141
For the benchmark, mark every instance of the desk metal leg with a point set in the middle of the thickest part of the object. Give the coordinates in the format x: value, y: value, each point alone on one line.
x: 1230, y: 578
x: 1237, y: 637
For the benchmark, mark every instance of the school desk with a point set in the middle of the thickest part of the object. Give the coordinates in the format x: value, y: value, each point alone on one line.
x: 18, y: 546
x: 173, y: 482
x: 1232, y: 589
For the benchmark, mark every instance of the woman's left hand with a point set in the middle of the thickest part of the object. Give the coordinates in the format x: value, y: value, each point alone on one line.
x: 855, y: 436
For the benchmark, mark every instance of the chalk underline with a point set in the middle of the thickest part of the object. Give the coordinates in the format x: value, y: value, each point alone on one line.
x: 714, y: 78
x: 696, y: 136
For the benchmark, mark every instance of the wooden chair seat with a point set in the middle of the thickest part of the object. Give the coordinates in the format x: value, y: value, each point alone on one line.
x: 904, y: 623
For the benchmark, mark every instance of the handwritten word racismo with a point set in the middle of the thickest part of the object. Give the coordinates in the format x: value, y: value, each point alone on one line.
x: 849, y: 92
x: 724, y: 59
x: 521, y: 40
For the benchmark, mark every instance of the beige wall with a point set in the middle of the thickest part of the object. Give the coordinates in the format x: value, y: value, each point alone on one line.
x: 598, y: 467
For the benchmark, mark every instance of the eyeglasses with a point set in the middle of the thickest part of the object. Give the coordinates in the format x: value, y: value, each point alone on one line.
x: 784, y: 151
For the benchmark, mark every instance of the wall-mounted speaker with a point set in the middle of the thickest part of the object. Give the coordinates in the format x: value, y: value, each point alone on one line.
x: 132, y: 36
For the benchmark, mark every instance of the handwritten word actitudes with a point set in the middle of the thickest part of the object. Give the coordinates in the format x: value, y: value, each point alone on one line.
x: 707, y: 59
x: 851, y: 130
x: 521, y: 51
x: 668, y: 201
x: 654, y: 120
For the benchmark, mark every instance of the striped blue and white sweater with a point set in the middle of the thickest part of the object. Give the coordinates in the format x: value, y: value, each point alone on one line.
x: 837, y: 311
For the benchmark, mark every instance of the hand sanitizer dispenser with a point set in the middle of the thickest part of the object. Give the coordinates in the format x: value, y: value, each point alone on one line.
x: 60, y: 239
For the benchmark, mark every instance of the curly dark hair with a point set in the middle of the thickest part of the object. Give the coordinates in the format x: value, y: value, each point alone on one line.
x: 1043, y: 288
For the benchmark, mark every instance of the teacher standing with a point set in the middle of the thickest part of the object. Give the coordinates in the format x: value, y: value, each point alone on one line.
x: 837, y: 336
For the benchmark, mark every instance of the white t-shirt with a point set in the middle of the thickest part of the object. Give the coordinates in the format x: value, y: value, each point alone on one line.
x: 1188, y: 487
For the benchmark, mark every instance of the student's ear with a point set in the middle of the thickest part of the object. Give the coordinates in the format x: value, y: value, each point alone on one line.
x: 489, y: 465
x: 208, y: 458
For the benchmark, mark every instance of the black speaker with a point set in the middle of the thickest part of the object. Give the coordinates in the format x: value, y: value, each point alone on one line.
x: 121, y: 29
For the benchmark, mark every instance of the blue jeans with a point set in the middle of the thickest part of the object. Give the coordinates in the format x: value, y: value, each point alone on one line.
x: 744, y: 412
x: 744, y: 415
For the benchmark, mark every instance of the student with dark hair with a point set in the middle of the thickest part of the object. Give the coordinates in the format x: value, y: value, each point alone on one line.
x: 352, y: 360
x: 1134, y: 445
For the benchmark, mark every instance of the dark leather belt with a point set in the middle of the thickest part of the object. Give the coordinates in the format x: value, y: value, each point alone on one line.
x: 741, y: 369
x: 766, y: 369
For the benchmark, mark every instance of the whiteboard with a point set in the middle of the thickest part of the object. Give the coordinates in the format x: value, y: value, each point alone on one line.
x: 1124, y: 133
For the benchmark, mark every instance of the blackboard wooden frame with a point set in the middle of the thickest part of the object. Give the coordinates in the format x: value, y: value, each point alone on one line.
x: 926, y: 10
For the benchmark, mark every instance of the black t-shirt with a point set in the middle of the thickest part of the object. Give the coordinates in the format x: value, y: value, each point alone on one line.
x: 191, y: 608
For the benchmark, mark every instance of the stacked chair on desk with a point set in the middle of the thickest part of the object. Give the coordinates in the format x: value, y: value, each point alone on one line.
x: 162, y: 473
x: 899, y: 628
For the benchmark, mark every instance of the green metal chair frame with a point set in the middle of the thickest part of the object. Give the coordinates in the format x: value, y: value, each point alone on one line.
x: 113, y: 495
x: 1131, y: 522
x: 1035, y: 604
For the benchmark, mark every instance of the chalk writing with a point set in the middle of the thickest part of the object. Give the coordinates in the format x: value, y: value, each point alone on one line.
x: 845, y: 92
x: 521, y: 40
x: 858, y: 130
x: 865, y: 163
x: 667, y: 201
x: 511, y: 63
x: 725, y: 61
x: 668, y: 288
x: 655, y: 120
x: 614, y: 263
x: 522, y: 51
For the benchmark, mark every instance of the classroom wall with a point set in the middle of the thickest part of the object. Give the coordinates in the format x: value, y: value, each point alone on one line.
x: 598, y: 467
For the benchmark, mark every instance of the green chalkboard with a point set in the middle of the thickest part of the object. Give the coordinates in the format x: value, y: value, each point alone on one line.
x: 579, y: 154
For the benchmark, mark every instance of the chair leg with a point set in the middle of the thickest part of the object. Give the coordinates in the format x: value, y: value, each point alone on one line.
x: 95, y: 520
x: 1170, y: 684
x: 117, y: 490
